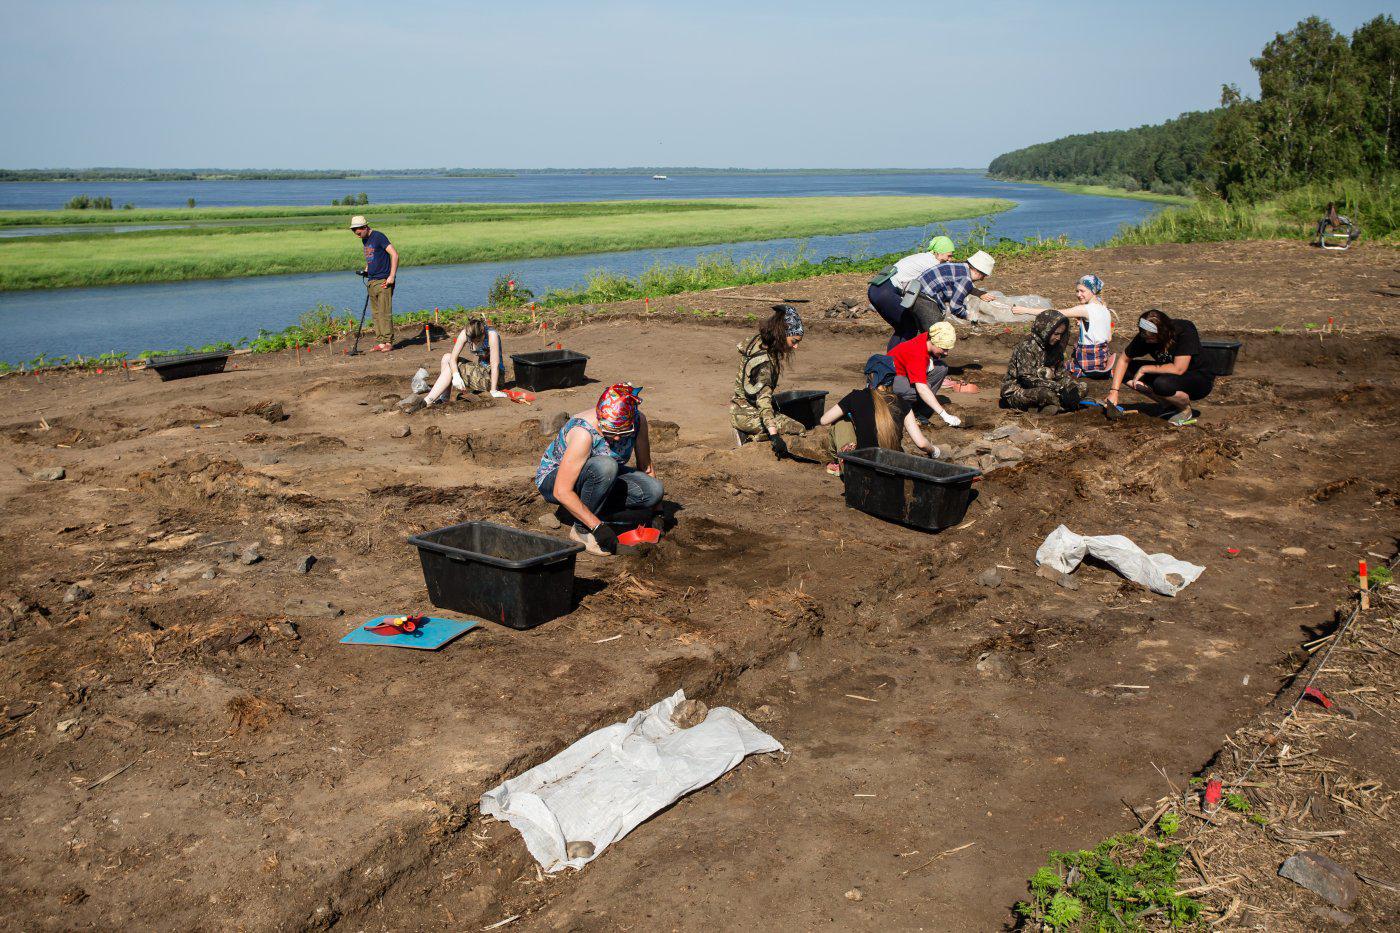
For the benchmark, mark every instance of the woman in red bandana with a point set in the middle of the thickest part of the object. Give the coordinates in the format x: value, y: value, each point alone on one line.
x: 584, y: 470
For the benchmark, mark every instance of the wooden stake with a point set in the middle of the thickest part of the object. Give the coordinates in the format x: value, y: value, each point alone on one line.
x: 428, y: 336
x: 1365, y: 586
x: 435, y: 317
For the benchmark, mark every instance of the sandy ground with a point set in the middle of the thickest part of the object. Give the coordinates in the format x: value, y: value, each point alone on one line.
x: 178, y: 756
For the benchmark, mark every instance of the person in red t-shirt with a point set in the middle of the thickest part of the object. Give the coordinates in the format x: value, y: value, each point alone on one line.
x: 920, y: 370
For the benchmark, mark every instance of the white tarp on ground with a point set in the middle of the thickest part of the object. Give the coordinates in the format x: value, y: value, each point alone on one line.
x: 997, y: 310
x: 1063, y: 550
x: 608, y: 782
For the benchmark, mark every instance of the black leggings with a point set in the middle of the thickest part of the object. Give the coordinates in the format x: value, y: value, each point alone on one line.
x: 1196, y: 385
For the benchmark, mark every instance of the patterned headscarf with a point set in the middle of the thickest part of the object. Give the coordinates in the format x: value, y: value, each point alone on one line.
x: 617, y: 408
x: 791, y: 320
x: 1093, y: 283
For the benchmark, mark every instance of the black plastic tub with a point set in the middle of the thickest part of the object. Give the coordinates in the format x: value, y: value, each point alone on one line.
x: 516, y: 578
x: 1220, y: 356
x: 549, y: 369
x: 803, y: 406
x: 188, y: 364
x: 915, y: 491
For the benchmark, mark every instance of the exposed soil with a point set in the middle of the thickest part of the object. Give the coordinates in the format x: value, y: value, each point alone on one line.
x: 191, y: 748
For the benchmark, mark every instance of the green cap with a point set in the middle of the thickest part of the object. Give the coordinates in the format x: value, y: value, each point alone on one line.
x: 940, y: 244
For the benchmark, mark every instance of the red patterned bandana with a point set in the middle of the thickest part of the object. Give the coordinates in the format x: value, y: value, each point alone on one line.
x: 617, y: 408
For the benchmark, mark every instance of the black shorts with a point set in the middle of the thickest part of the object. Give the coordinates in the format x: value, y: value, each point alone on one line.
x: 1196, y: 385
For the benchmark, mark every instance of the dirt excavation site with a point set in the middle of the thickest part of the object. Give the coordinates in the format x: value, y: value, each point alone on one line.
x: 186, y: 745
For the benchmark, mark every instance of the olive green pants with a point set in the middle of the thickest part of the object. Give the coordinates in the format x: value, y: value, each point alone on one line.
x: 746, y: 420
x: 841, y: 437
x: 381, y: 302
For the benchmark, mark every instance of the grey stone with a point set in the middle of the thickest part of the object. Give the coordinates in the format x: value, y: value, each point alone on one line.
x: 209, y: 574
x: 1068, y: 582
x: 794, y: 662
x: 1008, y: 452
x: 306, y: 563
x: 50, y: 474
x: 249, y: 555
x: 990, y: 578
x: 549, y: 521
x: 1334, y: 883
x: 77, y: 593
x: 287, y: 629
x: 402, y: 430
x: 1003, y: 432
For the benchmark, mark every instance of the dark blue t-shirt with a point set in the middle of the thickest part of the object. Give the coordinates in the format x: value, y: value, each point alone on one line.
x: 377, y: 255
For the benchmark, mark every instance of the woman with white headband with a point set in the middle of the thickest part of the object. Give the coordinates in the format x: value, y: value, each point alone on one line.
x: 1174, y: 373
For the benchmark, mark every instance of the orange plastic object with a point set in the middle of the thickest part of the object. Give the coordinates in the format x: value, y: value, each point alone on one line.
x: 639, y: 535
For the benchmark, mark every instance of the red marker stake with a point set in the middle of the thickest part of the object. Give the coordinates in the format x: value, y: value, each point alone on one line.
x: 1365, y: 586
x: 428, y: 336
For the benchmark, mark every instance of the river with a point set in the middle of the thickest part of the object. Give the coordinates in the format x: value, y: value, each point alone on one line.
x: 131, y: 318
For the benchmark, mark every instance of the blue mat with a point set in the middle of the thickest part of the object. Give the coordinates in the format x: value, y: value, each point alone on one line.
x: 431, y: 636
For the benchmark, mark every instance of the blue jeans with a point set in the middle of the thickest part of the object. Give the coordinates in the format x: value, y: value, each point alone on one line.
x: 607, y: 487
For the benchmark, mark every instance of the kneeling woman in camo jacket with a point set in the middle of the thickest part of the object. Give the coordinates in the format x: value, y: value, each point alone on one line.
x: 764, y: 355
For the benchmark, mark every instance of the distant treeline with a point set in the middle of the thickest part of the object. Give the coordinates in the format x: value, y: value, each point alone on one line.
x: 218, y: 174
x: 1168, y: 158
x: 1328, y: 109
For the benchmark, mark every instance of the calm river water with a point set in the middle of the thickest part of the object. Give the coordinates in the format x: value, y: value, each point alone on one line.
x: 131, y: 318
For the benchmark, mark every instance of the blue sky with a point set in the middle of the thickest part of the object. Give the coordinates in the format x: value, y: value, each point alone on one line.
x: 354, y: 84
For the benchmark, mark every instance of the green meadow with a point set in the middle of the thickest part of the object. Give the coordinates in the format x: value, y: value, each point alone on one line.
x: 232, y: 242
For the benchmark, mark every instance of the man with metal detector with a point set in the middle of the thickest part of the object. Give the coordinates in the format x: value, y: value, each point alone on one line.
x: 381, y: 268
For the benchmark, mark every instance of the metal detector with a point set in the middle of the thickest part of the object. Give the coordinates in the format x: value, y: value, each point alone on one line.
x: 355, y: 349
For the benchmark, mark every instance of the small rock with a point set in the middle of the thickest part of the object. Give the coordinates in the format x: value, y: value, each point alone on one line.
x: 63, y: 725
x: 1048, y: 572
x: 1334, y: 883
x: 411, y: 404
x: 794, y: 662
x: 77, y: 593
x: 579, y: 849
x: 1340, y: 917
x: 1192, y: 523
x: 689, y: 713
x: 1003, y: 432
x: 1008, y: 452
x: 209, y: 574
x: 249, y: 555
x: 268, y: 458
x: 287, y: 629
x: 1068, y: 582
x: 306, y: 563
x: 989, y: 578
x: 402, y: 430
x: 378, y: 410
x: 50, y: 474
x: 1294, y: 552
x: 854, y: 895
x: 549, y: 520
x: 994, y: 664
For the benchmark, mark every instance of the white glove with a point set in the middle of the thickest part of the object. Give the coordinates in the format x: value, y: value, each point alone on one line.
x: 497, y: 393
x: 951, y: 421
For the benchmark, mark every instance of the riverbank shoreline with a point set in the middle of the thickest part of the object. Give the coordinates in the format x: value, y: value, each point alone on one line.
x: 462, y: 234
x: 1105, y: 191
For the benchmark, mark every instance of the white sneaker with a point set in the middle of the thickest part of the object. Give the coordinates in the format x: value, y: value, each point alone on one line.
x: 589, y: 543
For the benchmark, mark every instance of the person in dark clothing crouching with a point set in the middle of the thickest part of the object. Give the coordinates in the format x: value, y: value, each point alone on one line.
x: 1164, y: 362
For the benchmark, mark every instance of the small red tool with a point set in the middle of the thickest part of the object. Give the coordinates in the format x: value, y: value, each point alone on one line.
x: 1233, y: 551
x: 1213, y: 789
x: 1317, y: 696
x: 642, y: 534
x: 399, y: 625
x: 520, y: 395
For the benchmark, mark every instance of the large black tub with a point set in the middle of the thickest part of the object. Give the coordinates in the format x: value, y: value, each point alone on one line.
x: 517, y: 578
x: 915, y: 491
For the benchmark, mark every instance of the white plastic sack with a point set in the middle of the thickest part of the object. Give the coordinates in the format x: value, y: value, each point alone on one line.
x: 996, y: 308
x: 420, y: 382
x: 1063, y: 550
x: 608, y: 782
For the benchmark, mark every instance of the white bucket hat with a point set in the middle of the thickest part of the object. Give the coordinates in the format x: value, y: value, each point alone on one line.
x: 358, y: 221
x: 982, y: 262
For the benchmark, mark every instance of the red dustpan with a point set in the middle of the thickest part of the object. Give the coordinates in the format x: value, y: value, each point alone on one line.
x: 520, y: 395
x: 642, y: 534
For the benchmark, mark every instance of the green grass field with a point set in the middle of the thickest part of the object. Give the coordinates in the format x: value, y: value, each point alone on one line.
x: 1104, y: 191
x: 315, y: 239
